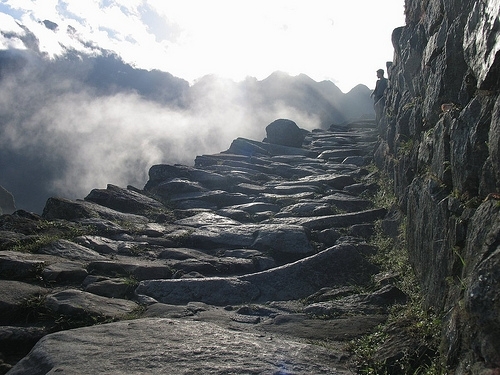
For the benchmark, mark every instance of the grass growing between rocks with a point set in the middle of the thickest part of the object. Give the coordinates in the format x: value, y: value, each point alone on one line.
x: 46, y: 232
x: 408, y: 342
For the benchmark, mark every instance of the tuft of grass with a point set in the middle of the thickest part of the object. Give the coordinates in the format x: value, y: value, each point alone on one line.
x: 409, y: 321
x: 47, y: 232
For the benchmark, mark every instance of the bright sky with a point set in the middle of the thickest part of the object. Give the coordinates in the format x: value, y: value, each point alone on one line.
x: 338, y: 40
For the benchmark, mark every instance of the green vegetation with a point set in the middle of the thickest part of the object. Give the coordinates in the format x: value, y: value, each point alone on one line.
x: 47, y: 232
x: 405, y: 147
x: 411, y: 332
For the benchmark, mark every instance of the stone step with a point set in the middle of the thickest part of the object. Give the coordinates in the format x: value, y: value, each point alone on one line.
x: 259, y: 223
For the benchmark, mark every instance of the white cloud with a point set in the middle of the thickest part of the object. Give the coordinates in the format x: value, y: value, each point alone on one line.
x: 342, y: 41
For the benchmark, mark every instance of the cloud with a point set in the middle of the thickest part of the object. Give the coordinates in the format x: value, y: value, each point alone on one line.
x: 342, y: 41
x: 59, y: 137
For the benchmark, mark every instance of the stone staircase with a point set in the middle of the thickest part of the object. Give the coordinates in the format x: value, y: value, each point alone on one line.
x: 255, y: 260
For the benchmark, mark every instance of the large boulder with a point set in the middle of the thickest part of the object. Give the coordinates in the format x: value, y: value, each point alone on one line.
x: 285, y: 132
x: 126, y: 201
x: 169, y: 346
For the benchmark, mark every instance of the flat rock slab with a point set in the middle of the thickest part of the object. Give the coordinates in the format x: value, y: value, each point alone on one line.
x: 206, y: 218
x: 125, y: 200
x: 332, y: 180
x: 70, y: 250
x: 123, y: 267
x: 334, y: 266
x: 256, y: 207
x: 64, y: 272
x: 168, y: 346
x: 340, y: 329
x: 72, y: 302
x: 346, y: 202
x: 329, y: 221
x: 61, y: 208
x: 268, y: 237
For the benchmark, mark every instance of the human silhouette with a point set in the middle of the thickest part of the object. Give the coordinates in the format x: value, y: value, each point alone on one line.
x: 378, y: 95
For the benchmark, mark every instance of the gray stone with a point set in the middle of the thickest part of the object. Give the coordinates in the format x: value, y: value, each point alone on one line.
x: 256, y: 207
x: 206, y: 218
x: 72, y: 302
x: 340, y: 329
x: 236, y: 214
x: 289, y: 189
x: 328, y: 236
x: 103, y: 226
x: 209, y: 199
x: 347, y: 202
x: 180, y: 253
x: 178, y: 186
x: 60, y: 208
x: 71, y: 251
x: 241, y: 253
x: 247, y: 188
x: 338, y: 221
x: 15, y: 298
x: 126, y: 200
x: 360, y: 188
x: 494, y: 142
x: 19, y: 266
x: 17, y: 339
x: 248, y: 147
x: 64, y: 273
x: 468, y: 148
x: 481, y: 56
x: 186, y: 347
x: 163, y: 172
x: 358, y: 304
x: 355, y: 160
x: 139, y: 269
x: 215, y: 290
x: 305, y: 209
x: 111, y: 288
x: 362, y: 230
x: 9, y: 239
x: 287, y: 199
x: 482, y: 258
x: 340, y: 154
x: 336, y: 181
x: 292, y: 281
x: 100, y: 244
x: 281, y: 238
x: 284, y: 132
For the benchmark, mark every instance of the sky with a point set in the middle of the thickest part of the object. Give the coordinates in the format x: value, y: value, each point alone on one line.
x: 337, y: 40
x: 57, y: 138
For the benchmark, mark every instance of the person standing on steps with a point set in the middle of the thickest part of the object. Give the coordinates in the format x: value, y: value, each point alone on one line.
x: 378, y: 95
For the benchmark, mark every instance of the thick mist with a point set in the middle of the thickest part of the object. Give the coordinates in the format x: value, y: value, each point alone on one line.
x: 61, y: 136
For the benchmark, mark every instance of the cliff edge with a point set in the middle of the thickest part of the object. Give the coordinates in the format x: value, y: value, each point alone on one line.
x: 440, y: 145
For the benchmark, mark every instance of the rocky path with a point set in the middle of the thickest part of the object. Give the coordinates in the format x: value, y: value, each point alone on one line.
x: 254, y: 261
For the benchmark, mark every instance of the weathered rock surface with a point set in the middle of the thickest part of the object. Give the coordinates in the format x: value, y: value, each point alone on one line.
x: 335, y: 266
x: 285, y: 132
x: 166, y: 346
x: 226, y: 258
x: 440, y: 143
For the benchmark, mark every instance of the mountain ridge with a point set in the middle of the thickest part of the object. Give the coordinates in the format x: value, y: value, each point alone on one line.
x: 89, y: 88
